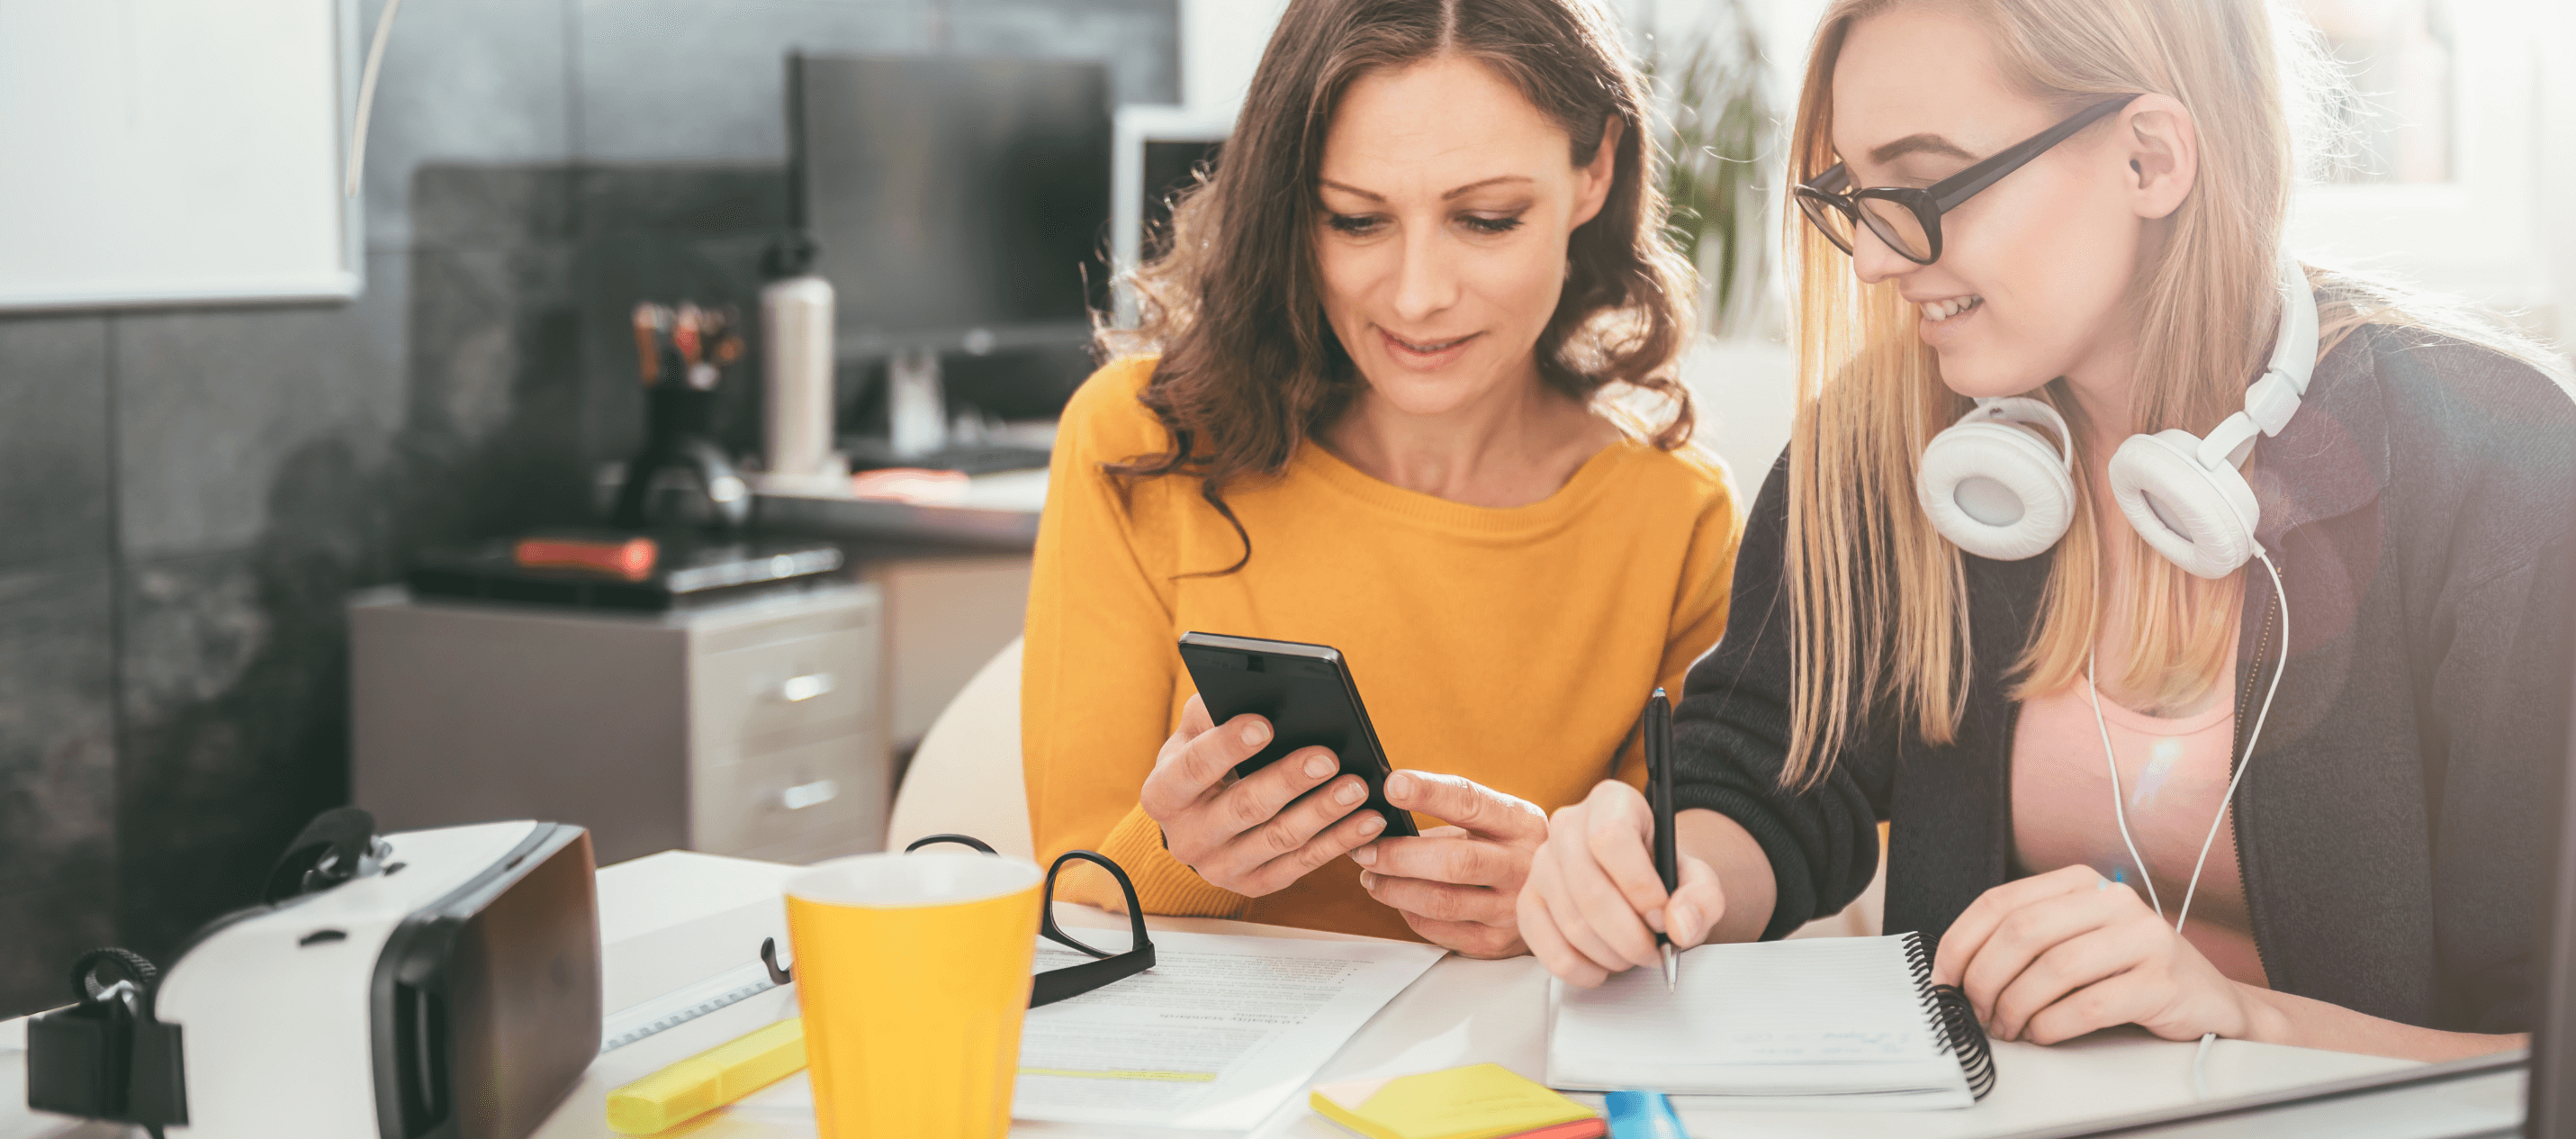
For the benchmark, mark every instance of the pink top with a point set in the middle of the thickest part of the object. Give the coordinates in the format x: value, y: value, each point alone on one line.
x: 2173, y: 772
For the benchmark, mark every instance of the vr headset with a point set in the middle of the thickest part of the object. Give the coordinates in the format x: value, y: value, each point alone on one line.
x: 435, y: 984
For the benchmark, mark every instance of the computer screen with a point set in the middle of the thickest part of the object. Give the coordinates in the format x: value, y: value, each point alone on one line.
x: 950, y: 194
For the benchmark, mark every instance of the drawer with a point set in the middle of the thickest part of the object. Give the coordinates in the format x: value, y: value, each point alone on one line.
x: 827, y: 793
x: 755, y: 699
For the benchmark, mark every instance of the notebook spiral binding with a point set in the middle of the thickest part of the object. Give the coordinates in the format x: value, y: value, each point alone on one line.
x: 1956, y: 1019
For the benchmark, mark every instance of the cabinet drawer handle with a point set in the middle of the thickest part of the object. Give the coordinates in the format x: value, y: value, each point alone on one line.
x: 805, y: 795
x: 806, y: 687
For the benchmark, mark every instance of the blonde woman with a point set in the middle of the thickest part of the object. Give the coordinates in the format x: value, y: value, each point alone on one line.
x: 2365, y: 877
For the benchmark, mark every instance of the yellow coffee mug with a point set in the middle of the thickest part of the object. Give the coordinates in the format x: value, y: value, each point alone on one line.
x: 913, y: 974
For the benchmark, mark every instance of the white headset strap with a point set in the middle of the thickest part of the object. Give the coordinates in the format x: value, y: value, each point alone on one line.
x: 2037, y: 413
x: 2294, y: 349
x: 2274, y: 396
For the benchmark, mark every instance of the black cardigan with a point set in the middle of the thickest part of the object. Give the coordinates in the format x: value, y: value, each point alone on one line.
x: 2396, y: 827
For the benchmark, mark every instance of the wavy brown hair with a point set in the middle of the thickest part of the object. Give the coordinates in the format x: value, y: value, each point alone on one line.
x: 1249, y: 367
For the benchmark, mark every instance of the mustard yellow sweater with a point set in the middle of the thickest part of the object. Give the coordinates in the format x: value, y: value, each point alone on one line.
x: 1513, y: 647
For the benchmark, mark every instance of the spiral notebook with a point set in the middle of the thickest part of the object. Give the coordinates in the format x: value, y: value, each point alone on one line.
x: 1837, y: 1022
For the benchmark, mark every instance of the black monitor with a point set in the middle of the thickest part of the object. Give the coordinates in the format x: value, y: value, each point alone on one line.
x: 958, y: 203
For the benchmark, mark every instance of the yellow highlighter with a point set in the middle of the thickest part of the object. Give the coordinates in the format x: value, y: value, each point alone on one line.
x: 708, y: 1080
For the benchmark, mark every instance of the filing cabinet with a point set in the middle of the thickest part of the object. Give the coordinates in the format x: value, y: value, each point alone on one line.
x: 755, y: 729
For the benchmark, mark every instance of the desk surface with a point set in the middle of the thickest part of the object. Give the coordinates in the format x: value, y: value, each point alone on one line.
x: 996, y: 511
x: 674, y: 918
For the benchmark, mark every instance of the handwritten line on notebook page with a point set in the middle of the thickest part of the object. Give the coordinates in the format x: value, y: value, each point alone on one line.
x: 1829, y: 1017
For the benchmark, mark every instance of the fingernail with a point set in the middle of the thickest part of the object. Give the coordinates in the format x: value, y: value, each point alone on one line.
x: 1655, y: 920
x: 1368, y: 881
x: 1318, y: 767
x: 1366, y: 855
x: 1679, y: 921
x: 1348, y: 793
x: 1399, y: 784
x: 1256, y: 733
x: 1371, y: 825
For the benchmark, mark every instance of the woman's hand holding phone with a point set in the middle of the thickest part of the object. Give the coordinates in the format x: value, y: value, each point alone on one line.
x: 1258, y: 834
x: 1457, y: 885
x: 1593, y: 902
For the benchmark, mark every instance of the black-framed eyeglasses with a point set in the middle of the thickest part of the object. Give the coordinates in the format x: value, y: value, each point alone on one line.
x: 1055, y: 984
x: 1908, y: 218
x: 1074, y: 980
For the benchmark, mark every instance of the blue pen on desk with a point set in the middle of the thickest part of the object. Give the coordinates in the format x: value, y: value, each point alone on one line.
x: 1658, y: 741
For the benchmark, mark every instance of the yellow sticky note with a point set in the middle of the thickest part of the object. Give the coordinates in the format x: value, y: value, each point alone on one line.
x: 1480, y: 1101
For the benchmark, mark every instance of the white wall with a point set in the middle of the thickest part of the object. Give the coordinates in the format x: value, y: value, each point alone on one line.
x: 1221, y: 42
x: 167, y: 151
x: 2474, y: 235
x: 2556, y: 239
x: 1744, y: 390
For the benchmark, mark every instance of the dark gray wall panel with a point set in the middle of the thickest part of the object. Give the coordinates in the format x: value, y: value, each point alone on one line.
x: 54, y: 445
x: 1138, y: 39
x: 211, y: 403
x: 50, y: 926
x: 464, y: 81
x: 57, y: 775
x: 57, y: 722
x: 705, y: 81
x: 236, y: 719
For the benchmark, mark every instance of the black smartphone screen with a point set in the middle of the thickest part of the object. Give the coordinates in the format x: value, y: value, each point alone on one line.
x: 1306, y: 693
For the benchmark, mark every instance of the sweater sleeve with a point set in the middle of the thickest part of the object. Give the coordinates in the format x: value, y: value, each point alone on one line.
x: 1731, y: 740
x: 1098, y: 674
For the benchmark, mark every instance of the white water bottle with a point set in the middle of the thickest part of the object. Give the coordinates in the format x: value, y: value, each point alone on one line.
x: 796, y: 372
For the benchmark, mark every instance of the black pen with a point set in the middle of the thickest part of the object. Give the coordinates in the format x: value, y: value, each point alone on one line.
x: 1658, y: 740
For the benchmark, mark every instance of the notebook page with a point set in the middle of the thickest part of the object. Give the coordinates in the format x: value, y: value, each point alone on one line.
x: 1806, y: 1017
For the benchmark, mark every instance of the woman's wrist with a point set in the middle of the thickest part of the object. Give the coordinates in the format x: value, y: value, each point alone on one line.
x: 2266, y: 1022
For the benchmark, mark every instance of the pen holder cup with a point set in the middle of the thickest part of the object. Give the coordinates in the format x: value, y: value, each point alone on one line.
x: 913, y: 973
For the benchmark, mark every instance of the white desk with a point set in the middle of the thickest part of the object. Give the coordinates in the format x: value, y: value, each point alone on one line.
x: 674, y: 918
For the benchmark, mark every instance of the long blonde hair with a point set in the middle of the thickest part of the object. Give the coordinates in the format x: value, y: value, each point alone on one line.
x: 1878, y: 602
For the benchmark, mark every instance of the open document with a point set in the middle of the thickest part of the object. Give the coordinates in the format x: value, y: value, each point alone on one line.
x: 1215, y: 1037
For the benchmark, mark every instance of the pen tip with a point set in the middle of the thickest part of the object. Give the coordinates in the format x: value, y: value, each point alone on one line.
x: 1672, y: 969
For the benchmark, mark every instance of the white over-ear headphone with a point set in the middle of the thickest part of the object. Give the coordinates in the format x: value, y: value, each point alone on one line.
x: 1998, y: 492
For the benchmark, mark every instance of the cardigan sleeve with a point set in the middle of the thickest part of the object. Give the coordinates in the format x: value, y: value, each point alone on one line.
x: 2498, y: 720
x: 1731, y: 741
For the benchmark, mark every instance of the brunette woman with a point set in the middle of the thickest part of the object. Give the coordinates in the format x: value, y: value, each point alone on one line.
x: 1376, y: 415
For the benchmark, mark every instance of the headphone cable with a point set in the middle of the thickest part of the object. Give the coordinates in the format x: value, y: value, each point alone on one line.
x: 2119, y: 813
x: 2247, y: 760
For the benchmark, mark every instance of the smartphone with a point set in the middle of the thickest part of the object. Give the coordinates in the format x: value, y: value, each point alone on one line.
x: 1305, y: 691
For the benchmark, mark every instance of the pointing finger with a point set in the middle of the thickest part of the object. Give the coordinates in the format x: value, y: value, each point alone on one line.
x: 1463, y: 802
x: 1460, y: 860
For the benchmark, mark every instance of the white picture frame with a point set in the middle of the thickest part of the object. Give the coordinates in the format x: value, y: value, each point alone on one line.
x: 160, y: 152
